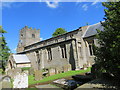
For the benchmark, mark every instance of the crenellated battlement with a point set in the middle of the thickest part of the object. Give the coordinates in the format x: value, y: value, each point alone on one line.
x: 27, y: 36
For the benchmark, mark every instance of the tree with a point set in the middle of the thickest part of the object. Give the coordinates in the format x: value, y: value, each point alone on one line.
x: 59, y: 31
x: 4, y: 50
x: 108, y: 54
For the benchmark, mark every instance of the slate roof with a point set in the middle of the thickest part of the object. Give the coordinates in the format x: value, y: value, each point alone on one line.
x: 21, y: 58
x: 91, y: 30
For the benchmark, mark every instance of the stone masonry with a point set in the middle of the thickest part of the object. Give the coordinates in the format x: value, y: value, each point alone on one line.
x: 72, y: 48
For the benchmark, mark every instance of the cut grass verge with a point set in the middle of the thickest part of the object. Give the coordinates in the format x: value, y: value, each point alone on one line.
x: 56, y: 76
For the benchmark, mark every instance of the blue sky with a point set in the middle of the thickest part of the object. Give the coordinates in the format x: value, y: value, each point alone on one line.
x: 47, y: 17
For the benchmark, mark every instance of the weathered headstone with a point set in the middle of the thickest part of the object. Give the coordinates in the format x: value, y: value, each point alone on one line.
x: 61, y: 70
x: 65, y: 68
x: 69, y: 67
x: 58, y: 70
x: 38, y: 75
x: 20, y: 80
x: 6, y: 83
x: 85, y: 66
x: 17, y: 70
x: 13, y: 72
x: 31, y: 71
x: 0, y: 85
x: 67, y: 84
x: 10, y: 73
x: 51, y: 71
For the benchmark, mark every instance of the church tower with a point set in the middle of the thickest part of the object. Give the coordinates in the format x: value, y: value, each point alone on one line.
x: 27, y: 37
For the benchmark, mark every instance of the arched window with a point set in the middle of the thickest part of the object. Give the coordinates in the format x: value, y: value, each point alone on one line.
x: 21, y: 35
x: 33, y: 35
x: 63, y: 50
x: 49, y: 54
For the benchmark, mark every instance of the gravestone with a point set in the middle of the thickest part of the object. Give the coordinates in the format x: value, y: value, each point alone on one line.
x: 10, y: 73
x: 66, y: 84
x: 51, y: 71
x: 20, y: 80
x: 0, y: 85
x: 65, y: 68
x: 69, y: 67
x: 6, y: 82
x: 38, y: 75
x: 31, y: 71
x: 13, y: 72
x: 58, y: 70
x: 17, y: 70
x: 85, y: 66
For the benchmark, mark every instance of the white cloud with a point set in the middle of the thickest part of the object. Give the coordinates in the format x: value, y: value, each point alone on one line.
x: 85, y: 7
x: 7, y: 4
x: 95, y: 2
x: 41, y: 39
x: 8, y: 0
x: 53, y: 4
x: 14, y: 49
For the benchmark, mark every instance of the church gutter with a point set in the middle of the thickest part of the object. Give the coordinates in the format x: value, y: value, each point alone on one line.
x: 45, y: 46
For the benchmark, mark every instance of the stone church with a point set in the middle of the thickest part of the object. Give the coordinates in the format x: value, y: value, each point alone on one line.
x: 73, y: 48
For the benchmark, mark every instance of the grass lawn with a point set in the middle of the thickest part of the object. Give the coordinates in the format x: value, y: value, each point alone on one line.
x: 57, y: 76
x: 1, y: 71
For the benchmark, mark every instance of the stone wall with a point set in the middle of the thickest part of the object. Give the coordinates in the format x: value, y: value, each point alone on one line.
x: 64, y: 37
x: 27, y: 37
x: 90, y: 58
x: 77, y: 51
x: 31, y: 56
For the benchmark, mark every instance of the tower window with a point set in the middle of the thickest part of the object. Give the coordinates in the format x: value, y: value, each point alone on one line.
x: 21, y: 35
x: 33, y: 35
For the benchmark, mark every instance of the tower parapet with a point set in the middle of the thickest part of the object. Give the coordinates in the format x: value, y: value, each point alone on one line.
x: 27, y: 37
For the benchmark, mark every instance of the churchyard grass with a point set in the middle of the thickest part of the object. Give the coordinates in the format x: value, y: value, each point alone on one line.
x: 11, y: 83
x: 32, y: 89
x: 25, y: 68
x: 57, y: 76
x: 1, y: 71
